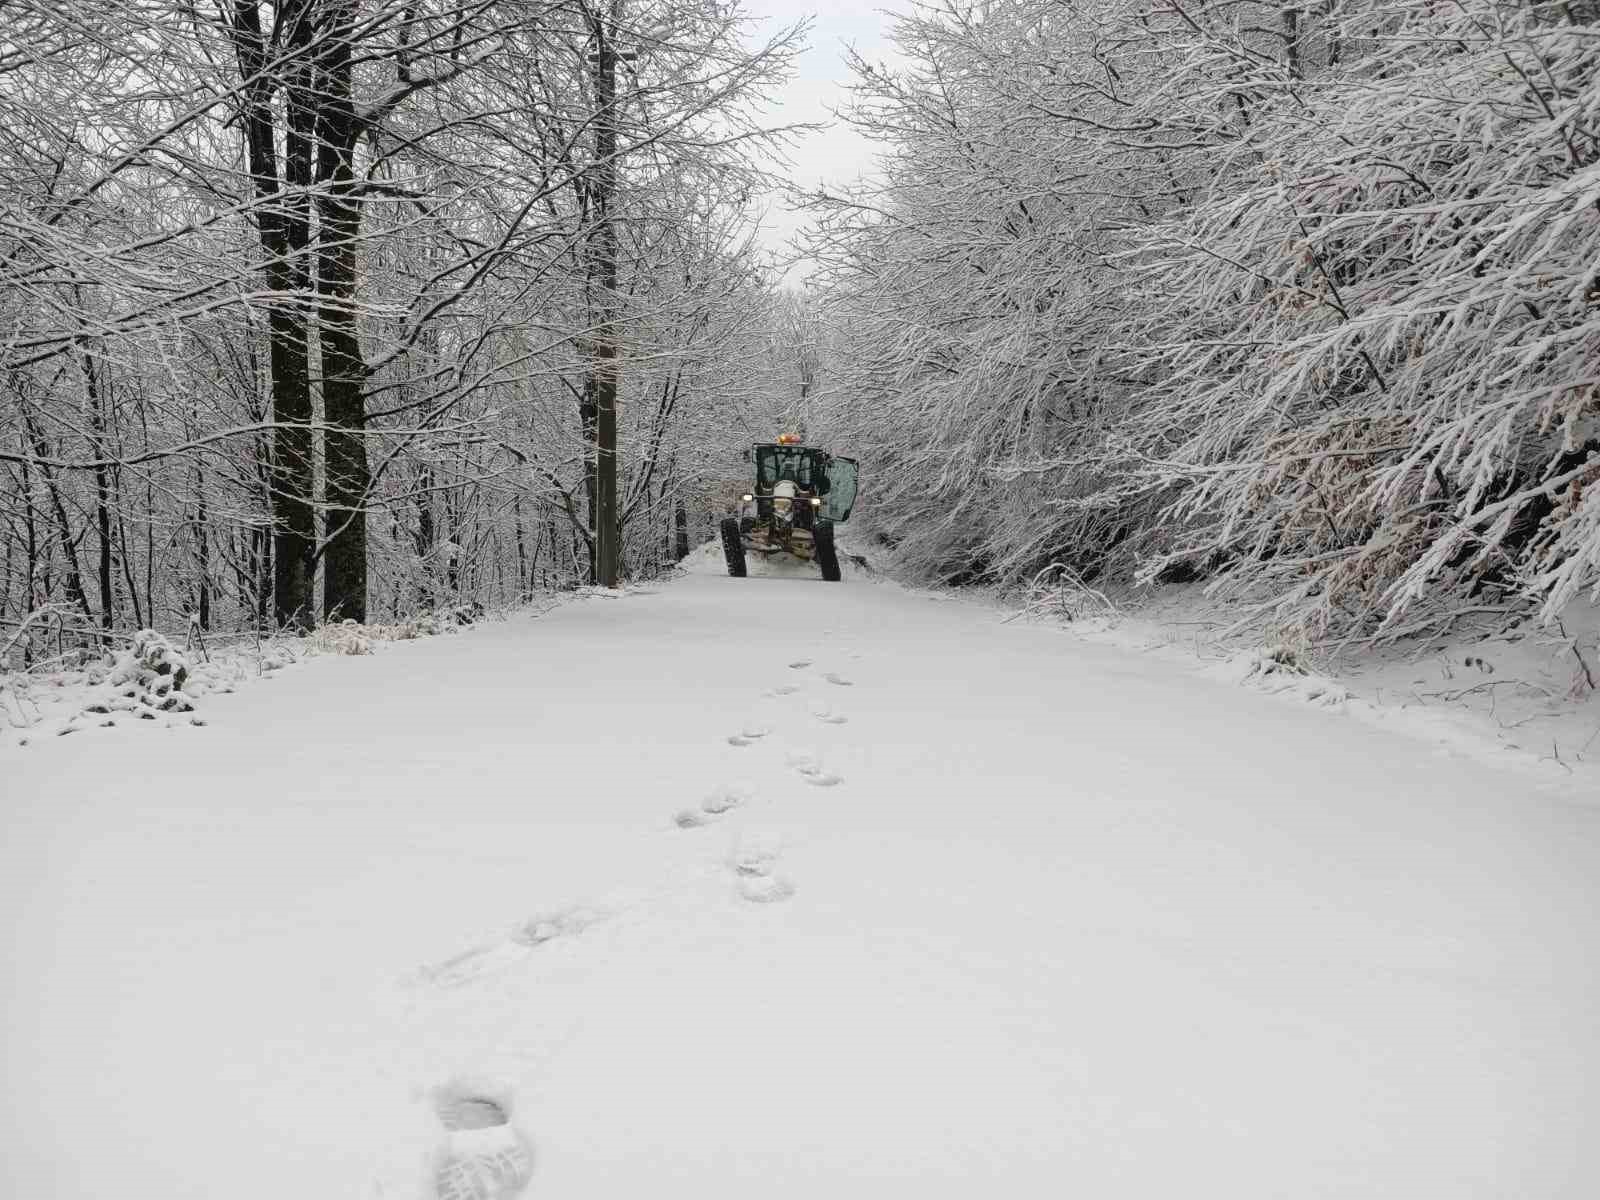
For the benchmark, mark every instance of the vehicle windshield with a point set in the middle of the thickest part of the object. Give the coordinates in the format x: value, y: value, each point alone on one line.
x: 806, y: 466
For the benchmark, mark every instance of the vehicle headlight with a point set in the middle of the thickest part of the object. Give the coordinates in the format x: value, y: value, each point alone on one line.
x: 816, y: 502
x: 747, y: 497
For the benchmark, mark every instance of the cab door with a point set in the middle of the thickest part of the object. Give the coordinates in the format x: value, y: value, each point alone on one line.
x: 841, y: 497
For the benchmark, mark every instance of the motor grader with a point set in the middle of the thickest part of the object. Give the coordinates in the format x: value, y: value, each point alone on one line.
x: 801, y: 493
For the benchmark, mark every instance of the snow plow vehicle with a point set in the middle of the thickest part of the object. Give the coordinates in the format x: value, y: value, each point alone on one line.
x: 800, y: 494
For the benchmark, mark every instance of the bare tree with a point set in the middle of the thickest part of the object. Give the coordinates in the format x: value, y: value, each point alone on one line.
x: 307, y: 287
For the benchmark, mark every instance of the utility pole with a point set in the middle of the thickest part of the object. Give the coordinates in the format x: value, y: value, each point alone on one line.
x: 607, y: 527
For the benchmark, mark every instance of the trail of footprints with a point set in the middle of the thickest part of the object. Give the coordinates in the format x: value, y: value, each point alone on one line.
x: 754, y: 861
x: 482, y: 1155
x: 808, y: 766
x: 752, y: 865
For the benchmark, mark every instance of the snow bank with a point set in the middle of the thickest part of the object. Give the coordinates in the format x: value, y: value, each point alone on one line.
x: 1523, y: 697
x: 151, y: 679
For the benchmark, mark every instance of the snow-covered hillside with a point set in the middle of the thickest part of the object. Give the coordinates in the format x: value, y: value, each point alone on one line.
x: 769, y: 887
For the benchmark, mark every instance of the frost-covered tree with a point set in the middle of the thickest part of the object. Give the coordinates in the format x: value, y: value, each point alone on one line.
x: 303, y: 294
x: 1299, y: 298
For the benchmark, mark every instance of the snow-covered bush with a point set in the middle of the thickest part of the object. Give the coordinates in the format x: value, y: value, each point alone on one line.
x: 1058, y: 592
x: 1278, y: 670
x: 352, y: 637
x: 344, y: 637
x: 274, y: 656
x: 148, y: 677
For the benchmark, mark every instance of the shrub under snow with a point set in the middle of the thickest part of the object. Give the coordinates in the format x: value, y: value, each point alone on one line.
x: 352, y: 637
x: 148, y: 678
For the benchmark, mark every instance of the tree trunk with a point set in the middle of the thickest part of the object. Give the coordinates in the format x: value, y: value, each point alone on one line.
x: 591, y: 487
x: 31, y: 528
x: 522, y: 549
x: 202, y: 549
x: 69, y: 544
x: 127, y: 557
x: 607, y: 529
x: 347, y: 474
x: 427, y: 540
x: 284, y: 227
x: 102, y: 487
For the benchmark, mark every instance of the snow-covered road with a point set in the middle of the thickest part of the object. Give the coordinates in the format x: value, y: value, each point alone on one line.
x: 984, y: 907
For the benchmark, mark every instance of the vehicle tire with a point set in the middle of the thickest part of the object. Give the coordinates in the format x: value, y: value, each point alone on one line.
x: 827, y: 554
x: 733, y: 547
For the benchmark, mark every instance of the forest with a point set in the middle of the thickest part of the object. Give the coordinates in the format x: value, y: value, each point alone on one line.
x: 1302, y: 300
x: 322, y: 310
x: 325, y: 310
x: 465, y: 734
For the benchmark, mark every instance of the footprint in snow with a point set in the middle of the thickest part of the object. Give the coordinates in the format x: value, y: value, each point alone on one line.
x: 722, y: 800
x: 471, y: 965
x: 827, y: 716
x: 810, y: 768
x: 754, y: 865
x: 764, y: 889
x: 749, y: 735
x: 538, y: 930
x: 474, y: 964
x: 800, y: 664
x: 839, y: 680
x: 787, y: 689
x: 481, y: 1155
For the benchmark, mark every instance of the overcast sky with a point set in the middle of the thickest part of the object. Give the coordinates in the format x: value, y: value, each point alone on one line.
x: 836, y: 154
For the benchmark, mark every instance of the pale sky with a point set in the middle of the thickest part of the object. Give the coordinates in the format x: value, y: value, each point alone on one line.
x: 837, y: 154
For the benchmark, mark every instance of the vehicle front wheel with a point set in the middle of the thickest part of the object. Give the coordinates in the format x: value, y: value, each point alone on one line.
x: 733, y: 547
x: 827, y: 553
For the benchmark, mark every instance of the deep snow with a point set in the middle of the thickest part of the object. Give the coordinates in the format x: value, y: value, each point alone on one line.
x: 766, y: 884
